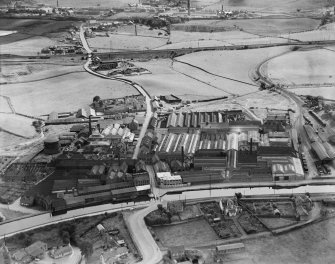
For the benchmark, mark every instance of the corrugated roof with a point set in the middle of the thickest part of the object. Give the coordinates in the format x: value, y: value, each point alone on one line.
x: 320, y: 150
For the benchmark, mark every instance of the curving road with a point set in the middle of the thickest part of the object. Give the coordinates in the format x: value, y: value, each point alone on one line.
x: 141, y: 236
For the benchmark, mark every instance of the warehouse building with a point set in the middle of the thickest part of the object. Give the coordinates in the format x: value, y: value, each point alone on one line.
x: 273, y: 153
x: 211, y: 159
x: 320, y: 151
x: 167, y: 179
x: 201, y: 177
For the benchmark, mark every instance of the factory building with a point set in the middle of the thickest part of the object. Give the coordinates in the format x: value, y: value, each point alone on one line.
x: 211, y: 159
x: 167, y: 179
x: 289, y: 170
x: 311, y: 134
x: 51, y: 145
x: 201, y: 177
x: 320, y: 151
x: 274, y: 153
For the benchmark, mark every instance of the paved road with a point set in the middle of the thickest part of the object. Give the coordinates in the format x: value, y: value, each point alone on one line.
x: 138, y: 87
x: 150, y: 252
x: 141, y: 236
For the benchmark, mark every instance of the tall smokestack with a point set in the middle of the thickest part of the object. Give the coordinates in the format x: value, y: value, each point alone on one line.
x: 57, y: 4
x: 89, y: 125
x: 222, y: 10
x: 182, y: 155
x: 250, y: 146
x: 189, y: 7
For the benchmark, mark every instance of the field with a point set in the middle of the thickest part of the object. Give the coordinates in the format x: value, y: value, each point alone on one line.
x: 233, y: 67
x: 17, y: 125
x: 27, y: 47
x: 268, y: 5
x: 265, y: 27
x: 23, y: 70
x: 29, y: 28
x: 63, y: 93
x: 326, y: 92
x: 188, y: 234
x: 119, y: 42
x: 303, y: 68
x: 165, y: 80
x: 88, y: 3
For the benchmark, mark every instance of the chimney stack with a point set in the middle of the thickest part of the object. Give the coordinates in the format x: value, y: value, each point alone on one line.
x: 189, y: 7
x: 89, y: 125
x: 182, y: 155
x: 250, y: 146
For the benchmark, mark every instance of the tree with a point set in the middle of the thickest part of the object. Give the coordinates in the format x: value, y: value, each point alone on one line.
x: 96, y: 99
x: 86, y: 248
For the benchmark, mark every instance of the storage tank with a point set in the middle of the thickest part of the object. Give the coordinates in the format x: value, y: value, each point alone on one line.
x: 51, y: 145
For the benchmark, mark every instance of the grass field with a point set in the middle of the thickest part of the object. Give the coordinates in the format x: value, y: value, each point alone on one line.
x: 64, y: 93
x: 266, y: 27
x: 18, y: 125
x: 268, y: 5
x: 236, y: 65
x: 119, y: 42
x: 27, y: 47
x: 303, y: 67
x: 188, y: 234
x: 165, y: 80
x: 28, y: 28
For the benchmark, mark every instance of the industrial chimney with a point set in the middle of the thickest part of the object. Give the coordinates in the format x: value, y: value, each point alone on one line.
x: 189, y: 7
x: 89, y: 125
x: 182, y: 155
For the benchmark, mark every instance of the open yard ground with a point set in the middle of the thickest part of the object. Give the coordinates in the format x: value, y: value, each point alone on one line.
x: 264, y: 26
x: 119, y: 42
x: 18, y: 125
x: 189, y: 234
x: 63, y: 93
x: 303, y: 68
x: 164, y: 80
